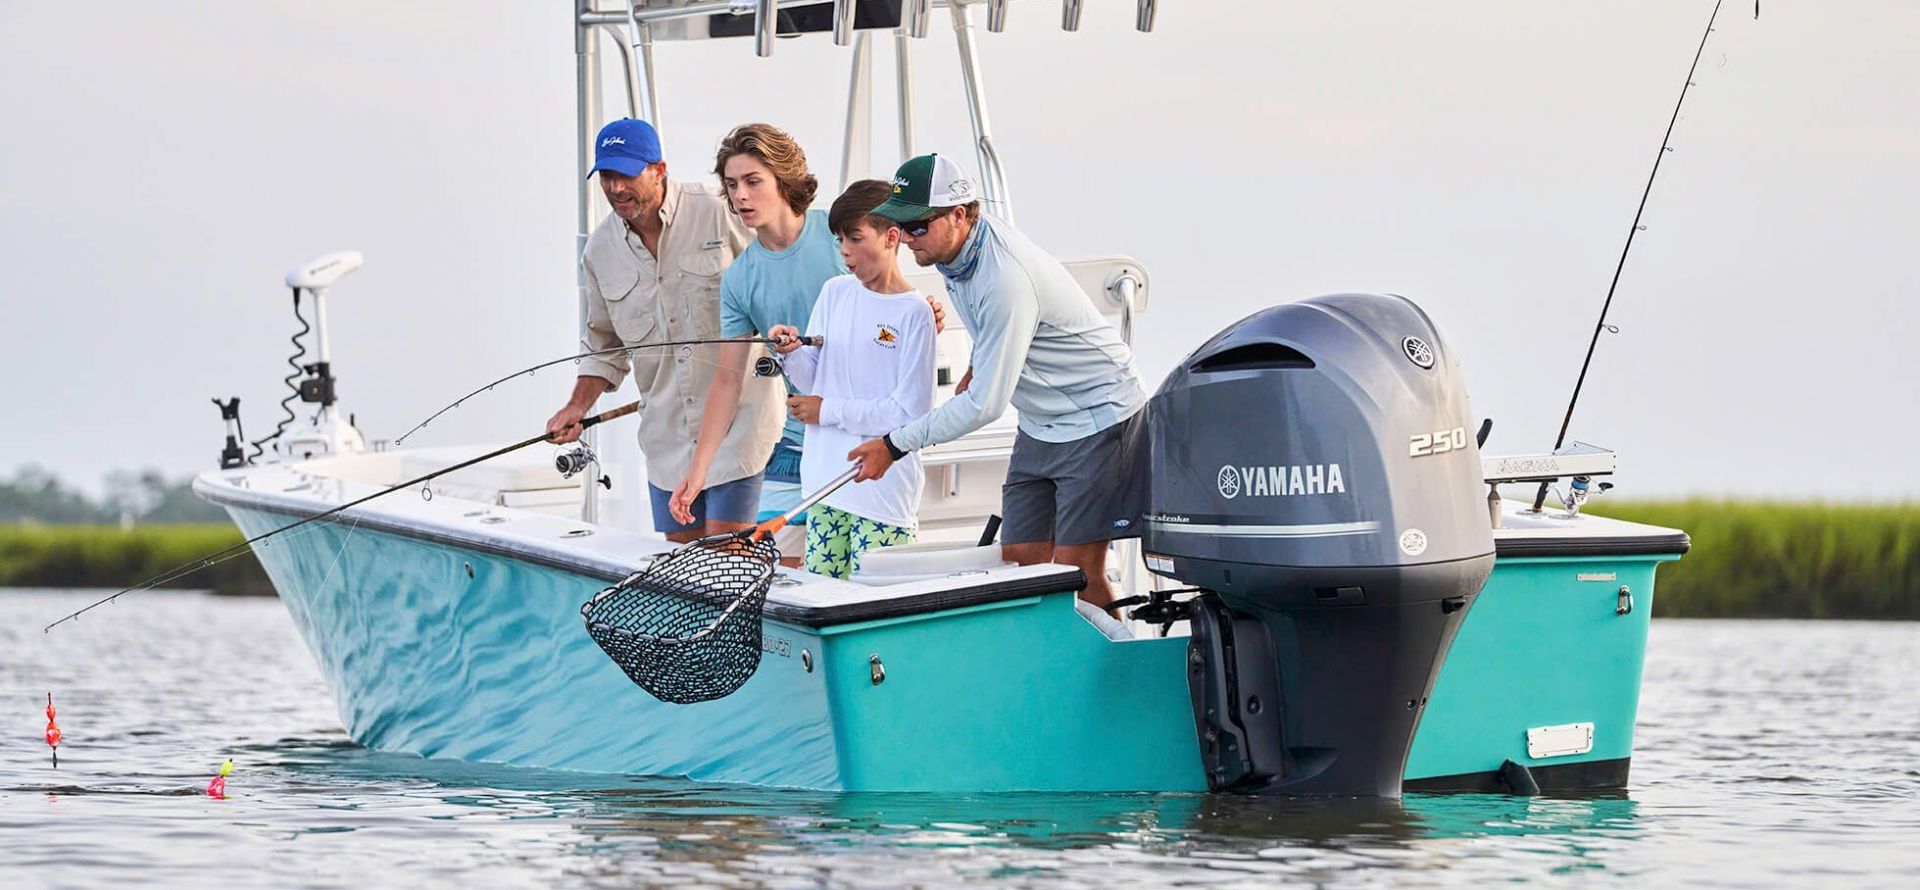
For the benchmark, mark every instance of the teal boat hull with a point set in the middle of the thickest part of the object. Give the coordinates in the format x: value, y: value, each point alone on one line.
x: 447, y: 651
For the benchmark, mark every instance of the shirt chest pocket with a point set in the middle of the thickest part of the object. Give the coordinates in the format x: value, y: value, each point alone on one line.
x: 696, y: 285
x: 622, y: 287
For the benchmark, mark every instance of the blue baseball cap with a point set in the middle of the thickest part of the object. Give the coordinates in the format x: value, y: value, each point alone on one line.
x: 626, y: 146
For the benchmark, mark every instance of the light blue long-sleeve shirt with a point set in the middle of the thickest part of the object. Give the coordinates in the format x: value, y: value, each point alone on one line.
x: 1039, y: 343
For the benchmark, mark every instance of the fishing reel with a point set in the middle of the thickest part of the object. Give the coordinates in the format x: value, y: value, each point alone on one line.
x: 770, y: 365
x: 1578, y: 490
x: 578, y: 460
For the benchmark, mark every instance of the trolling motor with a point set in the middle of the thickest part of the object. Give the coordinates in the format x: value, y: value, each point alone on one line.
x: 326, y: 433
x: 1337, y: 540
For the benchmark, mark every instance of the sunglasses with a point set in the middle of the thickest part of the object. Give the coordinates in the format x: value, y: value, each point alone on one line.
x: 918, y: 228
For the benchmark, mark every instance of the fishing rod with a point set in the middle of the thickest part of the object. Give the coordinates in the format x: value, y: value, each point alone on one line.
x: 711, y: 341
x: 210, y: 559
x: 1540, y: 498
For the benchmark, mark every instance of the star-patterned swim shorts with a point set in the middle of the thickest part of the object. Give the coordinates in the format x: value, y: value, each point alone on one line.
x: 835, y: 539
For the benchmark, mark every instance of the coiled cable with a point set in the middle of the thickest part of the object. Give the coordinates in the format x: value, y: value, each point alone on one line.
x: 286, y: 404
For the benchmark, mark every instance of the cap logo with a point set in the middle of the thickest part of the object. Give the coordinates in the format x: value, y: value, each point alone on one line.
x: 899, y: 184
x: 959, y: 190
x: 612, y: 140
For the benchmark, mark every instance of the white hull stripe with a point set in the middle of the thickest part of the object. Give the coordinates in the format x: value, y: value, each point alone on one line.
x: 1325, y: 530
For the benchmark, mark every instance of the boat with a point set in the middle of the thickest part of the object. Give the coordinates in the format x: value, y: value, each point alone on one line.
x: 1396, y: 624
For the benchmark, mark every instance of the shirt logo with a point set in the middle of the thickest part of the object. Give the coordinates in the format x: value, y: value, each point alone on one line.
x: 612, y: 140
x: 887, y: 337
x: 711, y: 245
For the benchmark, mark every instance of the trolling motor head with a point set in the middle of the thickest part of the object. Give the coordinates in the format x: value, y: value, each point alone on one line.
x: 321, y: 272
x: 1341, y: 535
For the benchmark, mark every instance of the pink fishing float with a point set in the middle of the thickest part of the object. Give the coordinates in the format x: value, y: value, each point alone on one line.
x: 218, y: 787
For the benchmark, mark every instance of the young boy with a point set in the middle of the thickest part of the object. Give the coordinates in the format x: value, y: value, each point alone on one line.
x: 872, y: 373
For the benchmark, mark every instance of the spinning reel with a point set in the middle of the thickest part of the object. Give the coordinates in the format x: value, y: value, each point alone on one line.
x: 577, y: 460
x: 1578, y: 490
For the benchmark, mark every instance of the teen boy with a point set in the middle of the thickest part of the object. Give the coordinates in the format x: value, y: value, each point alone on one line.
x: 774, y: 280
x: 872, y: 373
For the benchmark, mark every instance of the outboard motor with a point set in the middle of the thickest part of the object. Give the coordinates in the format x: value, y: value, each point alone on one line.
x: 1312, y: 470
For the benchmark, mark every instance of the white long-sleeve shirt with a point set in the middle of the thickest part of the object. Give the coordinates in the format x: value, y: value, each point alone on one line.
x: 873, y: 373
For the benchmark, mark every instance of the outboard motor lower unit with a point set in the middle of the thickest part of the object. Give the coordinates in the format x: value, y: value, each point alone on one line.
x: 1313, y: 470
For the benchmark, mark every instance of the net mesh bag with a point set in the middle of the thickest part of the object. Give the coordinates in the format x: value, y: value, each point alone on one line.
x: 687, y: 627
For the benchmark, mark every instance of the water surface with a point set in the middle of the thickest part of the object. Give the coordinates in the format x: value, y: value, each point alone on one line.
x: 1768, y: 753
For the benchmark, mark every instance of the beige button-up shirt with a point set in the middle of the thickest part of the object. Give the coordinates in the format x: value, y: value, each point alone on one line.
x: 634, y: 298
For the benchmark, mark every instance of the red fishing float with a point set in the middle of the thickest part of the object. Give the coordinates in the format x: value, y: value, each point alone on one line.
x: 53, y: 732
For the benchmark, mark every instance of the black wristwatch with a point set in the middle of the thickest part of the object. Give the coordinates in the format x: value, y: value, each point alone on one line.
x: 892, y: 449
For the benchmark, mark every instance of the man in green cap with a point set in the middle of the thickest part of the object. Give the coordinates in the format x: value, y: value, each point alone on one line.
x: 1040, y: 344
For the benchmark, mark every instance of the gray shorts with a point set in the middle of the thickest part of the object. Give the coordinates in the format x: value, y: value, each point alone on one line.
x: 1079, y: 492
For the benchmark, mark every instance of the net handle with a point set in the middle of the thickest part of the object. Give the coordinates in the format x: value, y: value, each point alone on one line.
x: 766, y: 529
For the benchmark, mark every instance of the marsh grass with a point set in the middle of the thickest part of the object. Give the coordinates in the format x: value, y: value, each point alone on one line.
x: 1759, y: 559
x: 106, y: 556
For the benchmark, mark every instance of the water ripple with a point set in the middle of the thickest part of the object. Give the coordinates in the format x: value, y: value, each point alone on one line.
x: 1769, y: 752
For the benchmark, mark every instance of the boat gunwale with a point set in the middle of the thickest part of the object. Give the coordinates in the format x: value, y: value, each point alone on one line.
x: 1060, y: 579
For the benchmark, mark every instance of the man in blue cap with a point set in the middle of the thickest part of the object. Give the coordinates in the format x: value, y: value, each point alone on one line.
x: 653, y: 275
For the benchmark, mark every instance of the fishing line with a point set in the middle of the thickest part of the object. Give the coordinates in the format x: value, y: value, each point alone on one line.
x: 1601, y: 325
x: 628, y: 350
x: 224, y: 554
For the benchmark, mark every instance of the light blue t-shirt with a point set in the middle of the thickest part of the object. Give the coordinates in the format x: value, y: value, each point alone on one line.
x: 764, y: 288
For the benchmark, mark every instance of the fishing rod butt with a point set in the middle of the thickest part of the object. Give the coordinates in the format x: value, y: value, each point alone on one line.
x: 611, y: 414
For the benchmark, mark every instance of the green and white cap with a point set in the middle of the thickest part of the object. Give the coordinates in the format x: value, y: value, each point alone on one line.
x: 923, y: 185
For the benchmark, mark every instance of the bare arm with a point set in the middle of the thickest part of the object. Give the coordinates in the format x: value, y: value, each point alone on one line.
x: 716, y: 417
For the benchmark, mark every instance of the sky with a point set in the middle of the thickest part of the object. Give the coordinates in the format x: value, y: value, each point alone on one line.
x: 163, y: 165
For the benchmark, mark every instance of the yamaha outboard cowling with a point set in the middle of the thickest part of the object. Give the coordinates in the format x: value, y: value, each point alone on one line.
x: 1312, y: 468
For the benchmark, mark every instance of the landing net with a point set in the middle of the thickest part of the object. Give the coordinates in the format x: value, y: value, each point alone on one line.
x: 687, y: 627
